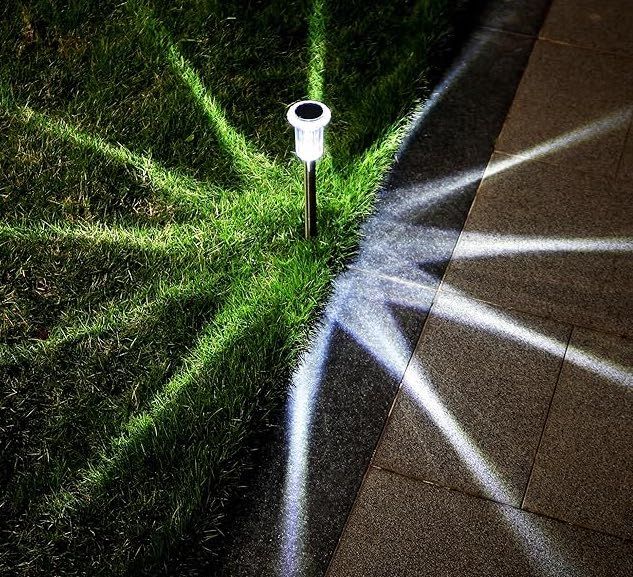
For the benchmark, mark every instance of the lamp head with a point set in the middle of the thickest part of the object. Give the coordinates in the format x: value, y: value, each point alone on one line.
x: 309, y: 118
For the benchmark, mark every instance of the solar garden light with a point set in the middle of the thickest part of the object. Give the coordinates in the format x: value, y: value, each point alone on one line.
x: 309, y: 118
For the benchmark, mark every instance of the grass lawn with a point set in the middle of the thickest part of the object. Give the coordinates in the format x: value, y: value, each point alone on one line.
x: 155, y: 286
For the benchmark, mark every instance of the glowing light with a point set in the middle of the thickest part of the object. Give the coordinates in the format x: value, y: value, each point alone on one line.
x: 309, y: 119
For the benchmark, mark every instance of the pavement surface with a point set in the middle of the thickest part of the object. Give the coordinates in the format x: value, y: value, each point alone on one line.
x: 509, y: 447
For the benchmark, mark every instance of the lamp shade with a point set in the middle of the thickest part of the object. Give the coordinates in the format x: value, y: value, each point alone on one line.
x: 309, y: 118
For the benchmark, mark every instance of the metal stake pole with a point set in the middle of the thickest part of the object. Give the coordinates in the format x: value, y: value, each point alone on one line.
x: 309, y: 184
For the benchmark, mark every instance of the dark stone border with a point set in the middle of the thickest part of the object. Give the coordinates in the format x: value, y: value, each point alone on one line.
x: 290, y: 519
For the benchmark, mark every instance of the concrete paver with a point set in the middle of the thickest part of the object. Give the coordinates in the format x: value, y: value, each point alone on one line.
x: 541, y: 238
x: 574, y: 104
x: 499, y: 457
x: 583, y: 473
x: 427, y: 198
x: 603, y: 25
x: 406, y: 528
x: 474, y: 399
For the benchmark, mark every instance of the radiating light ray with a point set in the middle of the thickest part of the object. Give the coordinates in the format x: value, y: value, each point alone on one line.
x: 173, y: 185
x: 503, y: 162
x: 171, y: 239
x: 306, y: 383
x: 399, y: 137
x: 143, y: 305
x: 93, y: 479
x: 389, y: 346
x: 425, y: 109
x: 474, y: 245
x: 417, y: 384
x: 217, y: 337
x: 247, y: 160
x: 317, y: 50
x: 479, y: 315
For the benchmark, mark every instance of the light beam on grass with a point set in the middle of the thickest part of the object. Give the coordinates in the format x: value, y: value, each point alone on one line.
x: 217, y: 337
x: 248, y: 161
x: 317, y: 51
x: 92, y: 480
x: 172, y: 239
x: 112, y: 317
x: 175, y: 186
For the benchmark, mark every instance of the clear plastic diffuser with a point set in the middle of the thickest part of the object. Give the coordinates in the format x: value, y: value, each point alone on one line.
x: 309, y: 118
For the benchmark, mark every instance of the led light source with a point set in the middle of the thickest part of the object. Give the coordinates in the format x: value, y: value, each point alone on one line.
x: 309, y: 118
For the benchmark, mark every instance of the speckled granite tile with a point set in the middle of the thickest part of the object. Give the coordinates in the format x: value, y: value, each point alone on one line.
x: 573, y: 106
x: 583, y: 472
x: 426, y: 199
x: 599, y: 24
x: 339, y: 401
x: 542, y: 239
x: 474, y: 399
x: 409, y: 528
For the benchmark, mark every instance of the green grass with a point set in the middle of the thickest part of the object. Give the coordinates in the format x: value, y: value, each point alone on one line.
x: 155, y: 287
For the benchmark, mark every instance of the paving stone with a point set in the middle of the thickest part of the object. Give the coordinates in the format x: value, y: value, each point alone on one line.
x: 583, y: 472
x: 523, y: 16
x: 297, y: 507
x: 600, y: 24
x: 542, y: 239
x: 408, y: 528
x: 425, y: 201
x: 573, y: 105
x: 474, y: 399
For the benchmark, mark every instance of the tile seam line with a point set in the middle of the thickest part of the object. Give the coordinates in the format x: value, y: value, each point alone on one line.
x: 536, y: 315
x: 593, y: 49
x: 370, y: 464
x: 628, y: 135
x: 547, y: 416
x: 501, y: 503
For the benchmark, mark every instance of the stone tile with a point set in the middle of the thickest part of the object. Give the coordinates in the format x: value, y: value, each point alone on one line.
x: 523, y: 16
x: 289, y: 521
x: 409, y: 528
x: 425, y: 201
x: 474, y: 399
x: 573, y: 106
x: 600, y: 24
x: 542, y: 239
x: 583, y: 472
